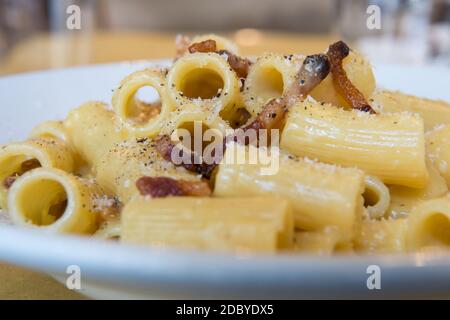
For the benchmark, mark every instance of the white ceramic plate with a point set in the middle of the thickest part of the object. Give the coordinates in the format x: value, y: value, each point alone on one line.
x: 110, y: 270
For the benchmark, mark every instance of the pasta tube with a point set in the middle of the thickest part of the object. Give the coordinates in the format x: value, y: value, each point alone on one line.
x: 141, y: 119
x: 56, y: 130
x: 269, y: 78
x: 429, y: 224
x: 54, y: 201
x: 321, y: 195
x: 51, y: 129
x: 127, y: 161
x: 232, y: 224
x: 93, y: 129
x: 390, y: 147
x: 323, y: 242
x: 189, y: 114
x: 403, y: 199
x: 359, y: 72
x: 382, y: 236
x: 438, y: 148
x: 376, y: 197
x: 206, y: 80
x: 20, y: 157
x: 433, y: 112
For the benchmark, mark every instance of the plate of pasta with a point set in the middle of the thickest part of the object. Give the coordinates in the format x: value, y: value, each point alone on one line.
x: 217, y: 175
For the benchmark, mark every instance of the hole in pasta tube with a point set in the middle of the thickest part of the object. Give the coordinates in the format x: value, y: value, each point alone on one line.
x: 201, y: 83
x: 268, y: 83
x: 437, y: 228
x: 371, y: 197
x: 41, y: 201
x: 144, y: 105
x: 15, y: 166
x: 376, y: 197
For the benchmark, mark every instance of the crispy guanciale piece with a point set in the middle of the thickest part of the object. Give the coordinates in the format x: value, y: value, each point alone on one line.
x: 238, y: 64
x: 161, y: 187
x: 203, y: 46
x: 315, y: 68
x: 30, y: 165
x: 166, y: 148
x: 336, y: 53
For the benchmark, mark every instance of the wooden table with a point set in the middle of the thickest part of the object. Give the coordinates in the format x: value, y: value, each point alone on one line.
x: 47, y: 51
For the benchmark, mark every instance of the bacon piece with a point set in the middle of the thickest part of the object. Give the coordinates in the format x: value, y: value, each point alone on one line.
x: 161, y: 187
x: 238, y: 64
x: 30, y: 165
x: 203, y: 46
x: 336, y: 53
x: 165, y: 147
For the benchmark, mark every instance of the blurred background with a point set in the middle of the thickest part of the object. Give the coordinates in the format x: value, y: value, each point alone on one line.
x: 42, y: 34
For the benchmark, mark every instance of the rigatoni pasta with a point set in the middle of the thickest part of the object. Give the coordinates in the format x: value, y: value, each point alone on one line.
x: 200, y: 165
x: 382, y: 236
x: 54, y: 201
x: 269, y: 77
x: 245, y: 224
x: 438, y: 147
x: 391, y: 147
x: 20, y: 157
x: 320, y: 195
x: 206, y: 80
x: 126, y: 161
x: 139, y: 118
x: 432, y: 112
x: 93, y: 129
x: 358, y: 70
x: 429, y: 224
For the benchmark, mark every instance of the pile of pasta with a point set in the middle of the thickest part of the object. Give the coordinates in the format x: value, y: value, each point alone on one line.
x: 362, y: 170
